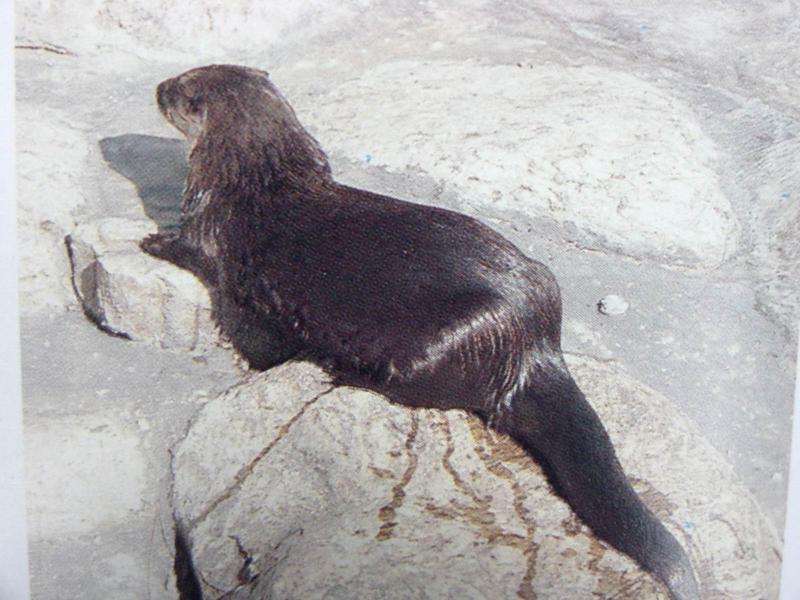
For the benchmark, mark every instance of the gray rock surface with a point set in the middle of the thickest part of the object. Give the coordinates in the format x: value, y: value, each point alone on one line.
x: 101, y: 413
x: 712, y: 322
x: 290, y: 488
x: 129, y: 293
x: 613, y: 305
x: 50, y: 157
x: 507, y: 149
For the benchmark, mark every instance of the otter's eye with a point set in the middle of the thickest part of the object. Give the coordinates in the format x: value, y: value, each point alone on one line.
x: 194, y: 105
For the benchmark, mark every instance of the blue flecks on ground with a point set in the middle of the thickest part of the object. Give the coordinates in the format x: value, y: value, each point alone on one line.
x: 368, y: 158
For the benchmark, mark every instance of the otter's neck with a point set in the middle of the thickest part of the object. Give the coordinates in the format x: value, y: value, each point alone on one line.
x: 252, y: 170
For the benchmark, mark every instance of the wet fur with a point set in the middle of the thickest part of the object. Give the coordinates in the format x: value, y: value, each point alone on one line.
x: 426, y: 306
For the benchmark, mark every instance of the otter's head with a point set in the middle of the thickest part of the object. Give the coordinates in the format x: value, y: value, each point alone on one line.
x: 244, y: 134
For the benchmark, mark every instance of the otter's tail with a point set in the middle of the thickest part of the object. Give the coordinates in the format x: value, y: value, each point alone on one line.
x: 551, y: 418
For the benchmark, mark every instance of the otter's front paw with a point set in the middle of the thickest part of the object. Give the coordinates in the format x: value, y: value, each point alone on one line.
x: 160, y: 245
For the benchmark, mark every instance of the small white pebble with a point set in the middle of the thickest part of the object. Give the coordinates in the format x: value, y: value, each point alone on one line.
x: 612, y: 305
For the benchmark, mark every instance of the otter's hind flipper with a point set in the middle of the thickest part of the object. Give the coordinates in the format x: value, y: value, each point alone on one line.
x: 551, y: 418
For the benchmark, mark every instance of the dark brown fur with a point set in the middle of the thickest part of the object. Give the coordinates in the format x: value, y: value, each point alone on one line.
x: 426, y: 306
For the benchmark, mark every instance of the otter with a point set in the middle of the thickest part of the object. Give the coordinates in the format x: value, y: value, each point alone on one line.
x: 426, y: 306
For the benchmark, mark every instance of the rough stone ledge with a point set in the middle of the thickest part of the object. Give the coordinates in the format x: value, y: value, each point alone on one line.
x: 130, y: 294
x: 288, y: 488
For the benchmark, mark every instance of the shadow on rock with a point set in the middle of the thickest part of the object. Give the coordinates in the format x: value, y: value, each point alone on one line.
x: 157, y: 167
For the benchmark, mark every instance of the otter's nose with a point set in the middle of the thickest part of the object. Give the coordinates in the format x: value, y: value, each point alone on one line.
x: 165, y: 95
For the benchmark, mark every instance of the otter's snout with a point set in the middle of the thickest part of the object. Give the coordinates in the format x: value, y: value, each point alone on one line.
x: 166, y: 95
x: 181, y: 112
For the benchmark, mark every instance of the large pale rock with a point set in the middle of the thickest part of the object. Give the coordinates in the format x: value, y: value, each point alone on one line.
x: 290, y: 488
x: 622, y: 160
x: 80, y: 28
x: 127, y: 292
x: 776, y: 251
x: 52, y: 152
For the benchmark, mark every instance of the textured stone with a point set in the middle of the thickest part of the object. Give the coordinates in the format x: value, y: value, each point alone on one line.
x: 290, y: 488
x: 624, y: 162
x: 613, y: 305
x: 126, y: 22
x: 51, y: 154
x: 129, y: 293
x: 731, y: 65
